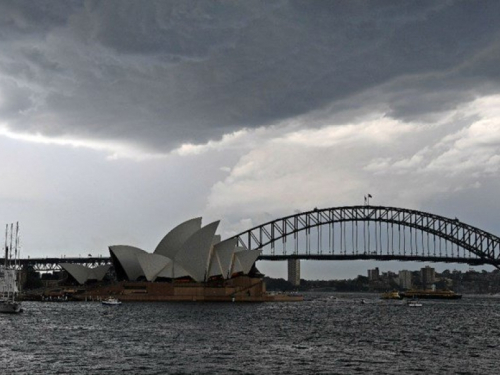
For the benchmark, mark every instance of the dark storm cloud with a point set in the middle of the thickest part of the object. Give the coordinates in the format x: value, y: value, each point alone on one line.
x: 163, y: 73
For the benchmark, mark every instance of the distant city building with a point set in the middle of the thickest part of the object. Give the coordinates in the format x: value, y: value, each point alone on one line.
x: 391, y: 275
x: 404, y: 279
x: 373, y: 274
x: 428, y: 275
x: 294, y: 271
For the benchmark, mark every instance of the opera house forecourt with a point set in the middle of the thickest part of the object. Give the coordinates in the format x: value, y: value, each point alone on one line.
x: 190, y: 263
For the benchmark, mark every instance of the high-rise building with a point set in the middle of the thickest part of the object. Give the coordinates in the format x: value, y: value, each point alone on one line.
x: 428, y: 275
x: 373, y: 274
x: 404, y: 279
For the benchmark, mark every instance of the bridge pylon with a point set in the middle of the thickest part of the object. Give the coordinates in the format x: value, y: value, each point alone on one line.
x: 294, y: 271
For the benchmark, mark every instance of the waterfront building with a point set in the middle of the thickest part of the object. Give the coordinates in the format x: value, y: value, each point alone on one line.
x: 187, y: 251
x: 82, y: 274
x: 190, y: 263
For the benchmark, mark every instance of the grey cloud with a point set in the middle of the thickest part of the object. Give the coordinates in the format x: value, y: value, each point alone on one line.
x: 20, y: 18
x: 16, y: 102
x: 177, y: 29
x: 163, y: 73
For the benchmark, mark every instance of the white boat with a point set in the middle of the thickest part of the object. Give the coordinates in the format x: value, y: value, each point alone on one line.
x: 10, y: 307
x: 111, y: 301
x: 8, y: 275
x: 9, y: 292
x: 413, y: 303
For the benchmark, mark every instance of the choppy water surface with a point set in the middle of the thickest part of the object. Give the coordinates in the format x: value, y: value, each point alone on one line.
x: 320, y: 335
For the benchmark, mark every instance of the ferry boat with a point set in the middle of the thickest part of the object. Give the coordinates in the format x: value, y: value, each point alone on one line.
x: 430, y: 294
x: 391, y: 295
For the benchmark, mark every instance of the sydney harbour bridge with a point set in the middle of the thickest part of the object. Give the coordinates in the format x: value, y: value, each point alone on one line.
x: 352, y: 233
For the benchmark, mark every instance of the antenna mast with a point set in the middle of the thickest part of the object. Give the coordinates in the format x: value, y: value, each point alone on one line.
x: 16, y: 255
x: 11, y: 234
x: 6, y: 248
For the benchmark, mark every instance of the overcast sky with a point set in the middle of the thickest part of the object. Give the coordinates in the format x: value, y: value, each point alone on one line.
x: 121, y: 119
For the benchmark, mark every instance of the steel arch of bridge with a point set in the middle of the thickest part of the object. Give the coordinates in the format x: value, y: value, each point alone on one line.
x: 478, y: 246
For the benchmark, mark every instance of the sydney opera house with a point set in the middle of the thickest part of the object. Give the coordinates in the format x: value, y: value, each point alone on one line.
x: 190, y: 263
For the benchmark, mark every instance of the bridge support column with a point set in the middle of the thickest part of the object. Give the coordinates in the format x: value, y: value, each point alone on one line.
x: 22, y: 277
x: 294, y: 271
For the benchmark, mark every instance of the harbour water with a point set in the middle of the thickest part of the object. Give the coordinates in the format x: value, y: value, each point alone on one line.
x: 325, y: 334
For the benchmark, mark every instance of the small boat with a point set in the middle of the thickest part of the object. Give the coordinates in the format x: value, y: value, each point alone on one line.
x: 10, y: 307
x: 111, y: 301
